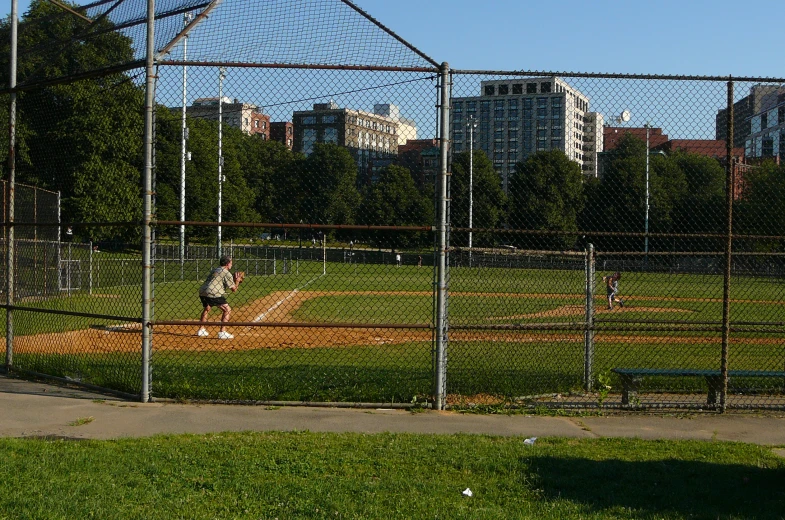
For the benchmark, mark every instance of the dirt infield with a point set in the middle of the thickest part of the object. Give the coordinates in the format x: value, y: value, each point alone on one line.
x: 279, y: 307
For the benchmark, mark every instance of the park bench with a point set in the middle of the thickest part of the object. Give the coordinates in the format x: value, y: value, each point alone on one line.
x: 631, y: 379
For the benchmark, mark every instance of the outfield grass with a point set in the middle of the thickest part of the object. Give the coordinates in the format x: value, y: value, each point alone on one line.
x: 319, y: 475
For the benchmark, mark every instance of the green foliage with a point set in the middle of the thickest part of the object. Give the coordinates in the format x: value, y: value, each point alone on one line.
x: 762, y: 209
x: 488, y: 198
x: 83, y: 138
x: 546, y: 193
x: 328, y: 179
x: 393, y: 200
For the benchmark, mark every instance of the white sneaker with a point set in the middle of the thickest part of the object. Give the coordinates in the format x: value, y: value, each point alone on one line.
x: 224, y: 335
x: 202, y: 333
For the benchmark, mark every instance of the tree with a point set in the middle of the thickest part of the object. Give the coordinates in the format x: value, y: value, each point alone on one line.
x: 328, y: 179
x: 762, y: 208
x: 546, y: 193
x: 488, y: 198
x: 83, y: 138
x: 394, y: 200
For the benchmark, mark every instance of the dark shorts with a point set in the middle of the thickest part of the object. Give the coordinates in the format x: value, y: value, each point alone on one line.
x: 213, y: 302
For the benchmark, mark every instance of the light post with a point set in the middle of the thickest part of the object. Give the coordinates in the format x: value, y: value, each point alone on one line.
x: 221, y: 76
x: 187, y: 17
x: 646, y: 225
x: 471, y: 124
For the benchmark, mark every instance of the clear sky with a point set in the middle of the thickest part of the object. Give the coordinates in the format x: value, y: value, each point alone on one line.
x: 692, y: 37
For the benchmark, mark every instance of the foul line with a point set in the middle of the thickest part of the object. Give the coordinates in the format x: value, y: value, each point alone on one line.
x: 287, y: 297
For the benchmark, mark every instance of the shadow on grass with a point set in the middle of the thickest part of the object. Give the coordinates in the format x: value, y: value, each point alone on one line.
x: 666, y: 487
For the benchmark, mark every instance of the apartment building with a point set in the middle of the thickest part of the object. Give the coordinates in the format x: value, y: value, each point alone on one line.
x: 517, y: 117
x: 761, y: 99
x: 283, y: 132
x: 246, y: 116
x: 368, y: 136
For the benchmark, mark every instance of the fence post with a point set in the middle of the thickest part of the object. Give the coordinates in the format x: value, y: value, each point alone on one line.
x: 147, y: 202
x: 729, y: 189
x: 441, y: 319
x: 588, y: 341
x: 90, y: 267
x: 9, y: 320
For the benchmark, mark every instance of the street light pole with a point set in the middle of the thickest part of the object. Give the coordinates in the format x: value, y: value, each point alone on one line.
x: 221, y: 76
x: 187, y: 17
x: 646, y: 225
x: 471, y: 124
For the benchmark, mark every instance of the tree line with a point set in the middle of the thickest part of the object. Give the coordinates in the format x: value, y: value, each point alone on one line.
x: 84, y: 139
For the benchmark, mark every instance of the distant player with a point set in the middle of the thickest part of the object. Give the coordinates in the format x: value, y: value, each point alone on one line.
x: 212, y: 293
x: 612, y: 288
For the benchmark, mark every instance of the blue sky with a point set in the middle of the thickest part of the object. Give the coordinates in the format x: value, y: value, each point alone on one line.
x: 696, y: 37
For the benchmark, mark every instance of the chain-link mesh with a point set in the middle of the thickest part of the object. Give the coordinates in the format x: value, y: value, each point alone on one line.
x: 587, y: 219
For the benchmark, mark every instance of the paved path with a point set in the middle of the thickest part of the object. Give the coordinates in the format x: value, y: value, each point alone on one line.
x: 33, y: 409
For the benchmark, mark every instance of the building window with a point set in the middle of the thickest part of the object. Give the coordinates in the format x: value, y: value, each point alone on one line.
x: 513, y: 134
x: 457, y: 135
x: 513, y: 124
x: 556, y: 144
x: 512, y: 157
x: 308, y: 120
x: 289, y: 131
x: 490, y: 90
x: 504, y: 90
x: 542, y: 144
x: 545, y: 87
x: 456, y: 118
x: 328, y: 119
x: 309, y: 138
x: 517, y: 88
x: 513, y: 114
x: 767, y: 146
x: 498, y: 135
x: 289, y: 143
x: 457, y: 106
x: 780, y: 115
x: 512, y: 104
x: 256, y: 123
x: 498, y: 156
x: 527, y: 103
x: 531, y: 88
x: 264, y: 125
x: 471, y: 106
x: 485, y: 106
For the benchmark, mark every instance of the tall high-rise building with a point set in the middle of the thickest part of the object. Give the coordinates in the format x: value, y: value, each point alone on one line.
x: 517, y: 117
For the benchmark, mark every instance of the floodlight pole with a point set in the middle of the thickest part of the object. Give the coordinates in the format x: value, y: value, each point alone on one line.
x: 646, y: 225
x: 187, y: 17
x: 221, y: 76
x: 471, y: 124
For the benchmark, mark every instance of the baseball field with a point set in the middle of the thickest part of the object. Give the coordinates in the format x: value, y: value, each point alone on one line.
x: 363, y: 333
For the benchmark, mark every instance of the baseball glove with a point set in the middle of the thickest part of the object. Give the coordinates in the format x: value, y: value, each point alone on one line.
x: 239, y: 276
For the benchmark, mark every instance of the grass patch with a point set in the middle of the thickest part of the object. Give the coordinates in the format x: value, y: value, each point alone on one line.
x: 81, y: 421
x: 314, y: 475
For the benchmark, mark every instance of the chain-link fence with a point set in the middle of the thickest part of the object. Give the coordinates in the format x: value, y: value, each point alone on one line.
x: 408, y: 234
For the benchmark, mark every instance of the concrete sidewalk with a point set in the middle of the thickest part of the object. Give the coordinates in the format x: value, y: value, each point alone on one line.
x: 34, y: 409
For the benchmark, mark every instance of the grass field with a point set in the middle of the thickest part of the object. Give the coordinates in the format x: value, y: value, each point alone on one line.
x: 313, y: 475
x: 509, y: 364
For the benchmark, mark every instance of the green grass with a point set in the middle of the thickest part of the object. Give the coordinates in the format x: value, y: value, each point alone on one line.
x: 319, y: 475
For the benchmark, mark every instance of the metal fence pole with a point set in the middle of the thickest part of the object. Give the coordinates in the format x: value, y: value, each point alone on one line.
x: 588, y: 341
x: 147, y: 202
x: 90, y: 266
x: 729, y: 188
x: 9, y: 323
x: 441, y: 319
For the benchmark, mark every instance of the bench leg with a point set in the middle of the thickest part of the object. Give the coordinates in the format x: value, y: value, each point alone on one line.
x: 714, y: 383
x: 630, y: 387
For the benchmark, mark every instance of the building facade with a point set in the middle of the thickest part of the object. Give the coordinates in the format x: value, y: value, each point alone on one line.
x: 283, y: 132
x: 370, y: 138
x: 767, y: 131
x: 517, y: 117
x: 247, y: 117
x: 761, y: 99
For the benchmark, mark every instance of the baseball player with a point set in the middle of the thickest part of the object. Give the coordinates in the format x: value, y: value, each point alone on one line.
x: 212, y: 293
x: 612, y: 288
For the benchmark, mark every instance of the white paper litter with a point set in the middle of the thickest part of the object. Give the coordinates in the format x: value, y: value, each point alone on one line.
x: 467, y: 492
x: 529, y: 441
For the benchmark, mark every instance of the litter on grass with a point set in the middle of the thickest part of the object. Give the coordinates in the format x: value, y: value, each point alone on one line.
x: 467, y: 492
x: 529, y: 441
